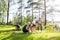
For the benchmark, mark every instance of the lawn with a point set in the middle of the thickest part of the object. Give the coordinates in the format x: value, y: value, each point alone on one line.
x: 7, y: 33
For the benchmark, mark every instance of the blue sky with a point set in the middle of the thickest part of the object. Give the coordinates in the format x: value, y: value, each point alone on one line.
x: 54, y: 3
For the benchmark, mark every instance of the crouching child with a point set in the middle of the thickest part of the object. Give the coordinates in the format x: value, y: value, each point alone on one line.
x: 17, y: 26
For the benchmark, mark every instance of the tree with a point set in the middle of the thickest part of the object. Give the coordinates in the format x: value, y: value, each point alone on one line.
x: 20, y: 2
x: 29, y: 17
x: 34, y: 6
x: 45, y: 11
x: 3, y: 9
x: 8, y: 11
x: 31, y: 6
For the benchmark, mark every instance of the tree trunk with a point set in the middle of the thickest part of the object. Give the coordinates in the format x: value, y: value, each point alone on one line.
x: 32, y: 11
x: 45, y: 11
x: 21, y: 13
x: 8, y: 13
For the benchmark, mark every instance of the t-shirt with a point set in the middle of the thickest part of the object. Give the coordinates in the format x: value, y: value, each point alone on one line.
x: 18, y: 26
x: 33, y: 22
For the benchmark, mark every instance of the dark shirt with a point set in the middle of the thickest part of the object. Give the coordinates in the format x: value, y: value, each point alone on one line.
x: 24, y: 29
x: 17, y: 26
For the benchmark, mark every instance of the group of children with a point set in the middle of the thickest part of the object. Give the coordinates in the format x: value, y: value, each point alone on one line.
x: 30, y: 27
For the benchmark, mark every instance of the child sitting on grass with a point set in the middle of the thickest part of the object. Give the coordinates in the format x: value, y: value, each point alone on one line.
x: 17, y: 27
x: 29, y: 27
x: 26, y: 28
x: 32, y: 27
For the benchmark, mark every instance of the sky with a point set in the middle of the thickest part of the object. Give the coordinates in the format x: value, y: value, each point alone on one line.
x: 54, y: 3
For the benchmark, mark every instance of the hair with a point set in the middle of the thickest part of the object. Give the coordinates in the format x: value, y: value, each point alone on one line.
x: 36, y: 21
x: 29, y: 24
x: 34, y: 25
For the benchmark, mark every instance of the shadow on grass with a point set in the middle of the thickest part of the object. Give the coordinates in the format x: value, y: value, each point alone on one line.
x: 28, y: 36
x: 18, y: 36
x: 9, y: 30
x: 6, y: 26
x: 22, y: 36
x: 54, y: 38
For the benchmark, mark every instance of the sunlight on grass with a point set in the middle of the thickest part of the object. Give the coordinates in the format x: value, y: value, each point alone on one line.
x: 4, y: 34
x: 8, y: 34
x: 28, y: 36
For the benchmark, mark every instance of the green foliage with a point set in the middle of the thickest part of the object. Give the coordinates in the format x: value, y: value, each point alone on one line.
x: 18, y: 20
x: 23, y: 21
x: 3, y: 10
x: 7, y: 33
x: 29, y: 18
x: 29, y: 36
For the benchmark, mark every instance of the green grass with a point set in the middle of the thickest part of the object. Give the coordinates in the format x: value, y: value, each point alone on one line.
x: 7, y: 33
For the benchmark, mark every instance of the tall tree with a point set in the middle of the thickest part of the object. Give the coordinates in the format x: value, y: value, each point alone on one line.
x: 31, y: 6
x: 8, y: 11
x: 3, y: 9
x: 45, y: 11
x: 20, y: 9
x: 34, y: 6
x: 29, y: 19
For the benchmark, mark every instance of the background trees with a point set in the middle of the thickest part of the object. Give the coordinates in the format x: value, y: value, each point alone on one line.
x: 3, y: 8
x: 28, y: 9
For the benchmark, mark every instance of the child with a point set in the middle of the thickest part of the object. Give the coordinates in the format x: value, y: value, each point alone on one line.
x: 17, y: 27
x: 26, y: 28
x: 39, y: 25
x: 32, y: 27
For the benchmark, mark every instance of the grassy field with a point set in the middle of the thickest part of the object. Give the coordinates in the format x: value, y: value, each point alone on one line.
x: 7, y: 33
